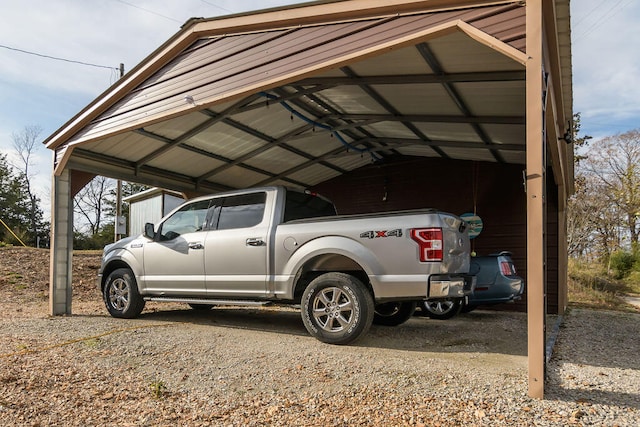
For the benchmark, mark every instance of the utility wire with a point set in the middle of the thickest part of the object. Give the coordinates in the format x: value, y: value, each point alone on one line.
x: 612, y: 11
x: 57, y: 58
x: 149, y: 11
x: 215, y: 5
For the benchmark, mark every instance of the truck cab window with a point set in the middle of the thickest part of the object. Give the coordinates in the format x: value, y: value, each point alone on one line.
x: 301, y: 205
x: 242, y: 211
x: 188, y: 219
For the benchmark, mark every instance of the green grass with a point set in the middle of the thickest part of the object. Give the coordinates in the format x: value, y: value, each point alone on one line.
x: 590, y: 286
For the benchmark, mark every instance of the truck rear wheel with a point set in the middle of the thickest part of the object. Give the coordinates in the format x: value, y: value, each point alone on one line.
x: 442, y: 309
x: 393, y: 313
x: 337, y: 308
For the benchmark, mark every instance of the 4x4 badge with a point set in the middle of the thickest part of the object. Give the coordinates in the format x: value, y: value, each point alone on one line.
x: 382, y: 233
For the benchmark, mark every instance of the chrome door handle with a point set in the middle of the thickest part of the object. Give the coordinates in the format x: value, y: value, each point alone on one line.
x: 255, y: 241
x: 195, y: 245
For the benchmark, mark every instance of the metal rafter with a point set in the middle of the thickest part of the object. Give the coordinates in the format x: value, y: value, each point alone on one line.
x: 170, y: 144
x: 487, y: 76
x: 430, y: 58
x: 392, y: 110
x: 333, y: 113
x: 210, y: 155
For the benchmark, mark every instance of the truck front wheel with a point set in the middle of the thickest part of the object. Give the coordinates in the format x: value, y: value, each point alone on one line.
x: 121, y: 295
x: 337, y: 308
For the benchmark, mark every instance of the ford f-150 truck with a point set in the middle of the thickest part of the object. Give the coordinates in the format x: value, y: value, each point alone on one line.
x: 280, y: 245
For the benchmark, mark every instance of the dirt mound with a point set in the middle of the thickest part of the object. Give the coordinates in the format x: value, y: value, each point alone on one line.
x: 24, y: 274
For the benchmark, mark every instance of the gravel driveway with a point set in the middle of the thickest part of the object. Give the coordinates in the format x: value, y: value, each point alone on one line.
x: 236, y: 367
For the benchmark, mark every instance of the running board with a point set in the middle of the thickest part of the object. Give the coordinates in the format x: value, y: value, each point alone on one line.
x: 209, y: 301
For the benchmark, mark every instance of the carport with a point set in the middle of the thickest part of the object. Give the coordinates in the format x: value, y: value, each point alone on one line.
x: 441, y: 103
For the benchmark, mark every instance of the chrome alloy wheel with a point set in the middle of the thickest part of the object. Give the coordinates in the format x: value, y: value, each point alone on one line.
x: 119, y: 294
x: 441, y: 307
x: 333, y: 309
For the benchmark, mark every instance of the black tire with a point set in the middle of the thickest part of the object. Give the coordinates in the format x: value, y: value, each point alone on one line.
x: 393, y: 313
x: 121, y: 296
x: 201, y: 307
x: 337, y: 308
x: 467, y: 308
x: 442, y: 309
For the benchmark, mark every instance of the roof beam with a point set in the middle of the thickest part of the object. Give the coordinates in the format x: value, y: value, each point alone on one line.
x: 430, y: 58
x: 491, y: 76
x: 423, y: 118
x: 170, y: 144
x: 408, y: 142
x: 205, y: 153
x: 391, y: 109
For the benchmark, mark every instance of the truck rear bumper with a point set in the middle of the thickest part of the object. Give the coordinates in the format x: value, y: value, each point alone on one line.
x: 421, y: 287
x: 450, y: 286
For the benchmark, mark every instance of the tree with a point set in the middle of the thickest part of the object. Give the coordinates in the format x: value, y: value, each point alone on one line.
x: 14, y: 204
x: 24, y: 144
x: 91, y: 203
x: 614, y: 161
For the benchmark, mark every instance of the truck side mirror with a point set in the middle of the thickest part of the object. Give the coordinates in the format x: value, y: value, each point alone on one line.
x: 149, y: 231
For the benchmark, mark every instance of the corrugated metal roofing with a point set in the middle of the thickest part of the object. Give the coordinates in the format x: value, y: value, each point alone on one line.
x: 303, y: 103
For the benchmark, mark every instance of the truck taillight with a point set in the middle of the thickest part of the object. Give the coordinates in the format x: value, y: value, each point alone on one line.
x: 430, y: 242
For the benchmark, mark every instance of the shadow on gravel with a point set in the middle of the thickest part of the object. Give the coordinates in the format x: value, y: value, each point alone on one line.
x: 596, y: 360
x: 593, y: 397
x: 475, y: 332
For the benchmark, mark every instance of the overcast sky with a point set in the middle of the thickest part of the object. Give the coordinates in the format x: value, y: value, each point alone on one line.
x: 36, y: 90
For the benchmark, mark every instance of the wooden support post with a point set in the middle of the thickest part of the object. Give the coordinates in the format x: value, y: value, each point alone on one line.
x: 61, y: 251
x: 535, y: 200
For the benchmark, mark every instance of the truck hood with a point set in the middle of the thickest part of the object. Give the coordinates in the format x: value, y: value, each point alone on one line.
x: 122, y: 243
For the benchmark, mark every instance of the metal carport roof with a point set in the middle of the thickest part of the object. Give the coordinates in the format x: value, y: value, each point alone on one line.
x: 302, y: 94
x: 298, y: 104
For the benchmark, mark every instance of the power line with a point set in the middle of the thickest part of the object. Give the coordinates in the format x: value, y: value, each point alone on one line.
x: 57, y: 58
x: 149, y: 11
x: 612, y: 11
x: 215, y: 5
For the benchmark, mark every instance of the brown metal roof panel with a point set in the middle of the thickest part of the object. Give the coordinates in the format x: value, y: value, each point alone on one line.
x: 349, y: 36
x: 206, y: 51
x: 508, y: 26
x: 306, y: 57
x: 223, y: 63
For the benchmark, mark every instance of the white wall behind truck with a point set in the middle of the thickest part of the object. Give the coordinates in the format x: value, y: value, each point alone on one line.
x: 150, y: 206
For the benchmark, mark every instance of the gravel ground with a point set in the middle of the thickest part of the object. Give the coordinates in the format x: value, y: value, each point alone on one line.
x: 255, y: 367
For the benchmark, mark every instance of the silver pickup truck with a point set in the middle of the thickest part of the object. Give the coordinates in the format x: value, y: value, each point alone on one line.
x: 279, y: 245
